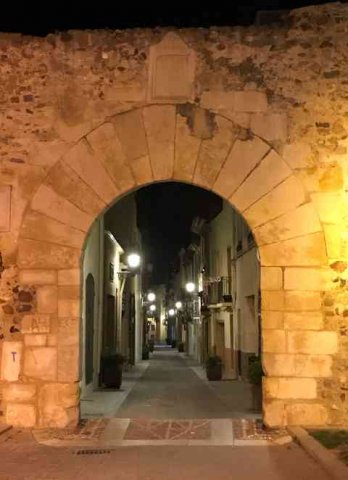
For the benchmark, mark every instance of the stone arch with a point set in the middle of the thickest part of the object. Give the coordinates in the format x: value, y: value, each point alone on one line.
x: 178, y: 143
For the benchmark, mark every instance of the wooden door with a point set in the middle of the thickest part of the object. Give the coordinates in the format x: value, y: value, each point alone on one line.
x: 220, y: 339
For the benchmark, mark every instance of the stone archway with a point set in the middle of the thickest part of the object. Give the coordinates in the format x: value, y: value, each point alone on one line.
x: 174, y: 143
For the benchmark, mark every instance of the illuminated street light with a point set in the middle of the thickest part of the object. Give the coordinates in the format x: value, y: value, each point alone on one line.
x: 133, y: 260
x: 152, y: 308
x: 171, y: 312
x: 151, y: 297
x: 190, y: 287
x: 178, y: 305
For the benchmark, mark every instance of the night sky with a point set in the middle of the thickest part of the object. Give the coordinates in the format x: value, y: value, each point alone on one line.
x: 42, y: 17
x: 165, y: 214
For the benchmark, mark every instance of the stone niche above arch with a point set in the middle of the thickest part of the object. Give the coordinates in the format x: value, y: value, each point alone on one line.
x: 171, y: 71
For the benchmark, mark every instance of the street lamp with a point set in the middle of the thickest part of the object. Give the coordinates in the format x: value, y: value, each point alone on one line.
x: 171, y: 312
x: 133, y: 260
x: 178, y: 305
x: 190, y: 287
x: 152, y: 308
x: 151, y: 297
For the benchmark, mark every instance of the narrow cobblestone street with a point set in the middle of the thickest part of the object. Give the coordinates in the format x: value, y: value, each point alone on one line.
x: 169, y: 389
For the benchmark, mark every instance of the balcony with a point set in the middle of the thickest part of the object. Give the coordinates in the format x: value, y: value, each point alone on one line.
x: 217, y: 292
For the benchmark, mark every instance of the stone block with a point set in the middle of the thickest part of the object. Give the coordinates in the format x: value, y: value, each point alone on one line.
x: 274, y: 413
x: 49, y: 203
x: 303, y: 320
x: 272, y: 319
x: 308, y: 250
x: 37, y: 254
x: 297, y: 155
x: 330, y: 206
x: 297, y: 301
x: 40, y: 227
x: 213, y: 153
x: 68, y: 331
x: 310, y: 279
x: 333, y: 240
x: 47, y: 299
x: 64, y: 180
x: 186, y: 150
x: 131, y: 133
x: 88, y: 166
x: 289, y: 388
x: 58, y: 404
x: 35, y: 324
x: 272, y: 126
x: 311, y: 342
x: 52, y: 340
x: 19, y: 392
x: 5, y: 208
x: 250, y: 101
x: 20, y: 415
x: 283, y: 198
x: 69, y: 277
x: 271, y: 278
x: 218, y: 100
x: 69, y: 292
x: 108, y: 148
x: 171, y: 70
x: 68, y: 365
x: 11, y: 361
x: 306, y: 414
x: 159, y: 123
x: 272, y: 300
x: 35, y: 340
x: 37, y: 277
x: 301, y: 221
x: 41, y: 363
x: 297, y: 365
x: 260, y: 182
x: 243, y: 157
x: 274, y: 341
x: 68, y: 307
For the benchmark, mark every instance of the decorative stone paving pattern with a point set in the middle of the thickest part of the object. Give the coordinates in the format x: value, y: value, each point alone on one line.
x: 244, y: 429
x: 168, y: 430
x: 85, y: 430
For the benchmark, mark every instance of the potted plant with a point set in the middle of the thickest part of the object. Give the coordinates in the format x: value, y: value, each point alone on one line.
x: 111, y: 368
x: 213, y: 368
x: 255, y: 374
x: 181, y: 347
x: 146, y: 352
x: 151, y: 346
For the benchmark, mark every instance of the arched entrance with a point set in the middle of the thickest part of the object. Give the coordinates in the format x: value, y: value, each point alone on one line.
x: 185, y: 143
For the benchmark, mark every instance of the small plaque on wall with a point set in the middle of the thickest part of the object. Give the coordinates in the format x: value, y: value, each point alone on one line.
x: 5, y: 208
x: 111, y: 272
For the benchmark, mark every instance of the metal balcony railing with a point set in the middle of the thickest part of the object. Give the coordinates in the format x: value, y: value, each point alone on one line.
x: 217, y: 291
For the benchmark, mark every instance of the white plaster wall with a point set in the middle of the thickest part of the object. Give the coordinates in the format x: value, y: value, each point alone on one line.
x: 92, y: 264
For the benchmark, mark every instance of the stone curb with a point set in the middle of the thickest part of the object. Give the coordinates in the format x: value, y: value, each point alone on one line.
x: 333, y: 467
x: 4, y: 428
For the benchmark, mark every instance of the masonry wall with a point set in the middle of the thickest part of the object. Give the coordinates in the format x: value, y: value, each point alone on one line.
x: 257, y: 114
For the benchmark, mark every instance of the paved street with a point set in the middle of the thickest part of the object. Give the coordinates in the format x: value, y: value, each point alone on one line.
x: 171, y: 389
x: 168, y: 389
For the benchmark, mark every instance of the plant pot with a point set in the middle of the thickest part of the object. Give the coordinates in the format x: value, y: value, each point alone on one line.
x: 145, y: 355
x: 256, y: 392
x: 214, y: 372
x: 173, y: 343
x: 111, y: 371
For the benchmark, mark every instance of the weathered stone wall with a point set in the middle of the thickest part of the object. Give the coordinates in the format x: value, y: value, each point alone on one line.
x: 259, y: 115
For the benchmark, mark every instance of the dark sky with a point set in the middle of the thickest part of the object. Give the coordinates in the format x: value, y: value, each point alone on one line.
x: 42, y: 17
x: 165, y: 214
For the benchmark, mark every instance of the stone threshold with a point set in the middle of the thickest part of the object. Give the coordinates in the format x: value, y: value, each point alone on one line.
x: 125, y: 432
